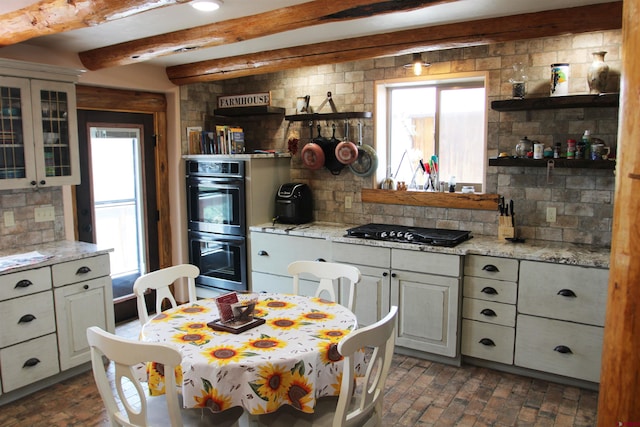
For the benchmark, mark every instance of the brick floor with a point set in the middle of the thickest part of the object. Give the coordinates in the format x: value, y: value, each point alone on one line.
x: 419, y: 393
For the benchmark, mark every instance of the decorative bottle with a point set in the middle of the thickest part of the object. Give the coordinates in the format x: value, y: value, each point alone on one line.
x: 388, y: 183
x: 598, y: 73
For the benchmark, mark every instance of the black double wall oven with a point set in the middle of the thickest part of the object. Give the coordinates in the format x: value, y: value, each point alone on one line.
x: 217, y: 223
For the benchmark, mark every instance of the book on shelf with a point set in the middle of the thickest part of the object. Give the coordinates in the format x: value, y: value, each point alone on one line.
x: 236, y: 137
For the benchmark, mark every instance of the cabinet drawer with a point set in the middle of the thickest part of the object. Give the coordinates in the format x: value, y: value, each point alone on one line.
x: 362, y: 255
x: 425, y: 262
x: 488, y: 311
x: 489, y: 342
x: 490, y: 289
x: 272, y: 253
x: 263, y: 282
x: 27, y: 317
x: 564, y: 292
x: 491, y: 267
x: 539, y: 341
x: 80, y: 270
x: 24, y: 283
x: 28, y: 362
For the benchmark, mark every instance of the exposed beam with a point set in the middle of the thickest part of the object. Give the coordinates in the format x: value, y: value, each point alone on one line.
x: 245, y: 28
x: 47, y: 17
x: 597, y: 17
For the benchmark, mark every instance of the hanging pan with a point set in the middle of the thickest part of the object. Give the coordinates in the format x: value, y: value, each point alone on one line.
x: 329, y: 147
x: 346, y: 151
x: 367, y: 161
x: 312, y: 153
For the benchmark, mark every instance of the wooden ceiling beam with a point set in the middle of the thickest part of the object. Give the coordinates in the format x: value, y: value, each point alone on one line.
x: 599, y: 17
x: 47, y: 17
x: 250, y: 27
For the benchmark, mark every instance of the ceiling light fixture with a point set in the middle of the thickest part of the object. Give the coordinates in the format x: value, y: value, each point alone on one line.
x: 206, y: 5
x: 417, y: 64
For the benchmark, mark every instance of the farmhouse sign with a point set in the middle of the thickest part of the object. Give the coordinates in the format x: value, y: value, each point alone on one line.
x: 246, y: 100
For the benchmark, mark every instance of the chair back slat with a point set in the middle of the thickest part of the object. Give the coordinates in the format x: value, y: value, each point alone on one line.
x: 327, y: 272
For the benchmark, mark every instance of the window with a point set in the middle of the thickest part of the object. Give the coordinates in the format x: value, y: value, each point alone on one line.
x: 427, y: 119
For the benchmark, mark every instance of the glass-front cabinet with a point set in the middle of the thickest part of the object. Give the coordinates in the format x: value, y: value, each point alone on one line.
x: 38, y: 133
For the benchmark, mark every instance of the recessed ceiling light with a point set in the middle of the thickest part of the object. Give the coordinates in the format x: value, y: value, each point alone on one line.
x: 206, y: 5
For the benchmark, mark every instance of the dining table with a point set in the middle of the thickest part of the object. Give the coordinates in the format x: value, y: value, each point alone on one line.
x: 289, y: 359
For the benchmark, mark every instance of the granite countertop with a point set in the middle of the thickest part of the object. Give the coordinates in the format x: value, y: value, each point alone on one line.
x: 61, y: 251
x: 533, y: 250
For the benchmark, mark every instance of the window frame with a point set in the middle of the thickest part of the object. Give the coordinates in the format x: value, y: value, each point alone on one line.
x: 381, y: 105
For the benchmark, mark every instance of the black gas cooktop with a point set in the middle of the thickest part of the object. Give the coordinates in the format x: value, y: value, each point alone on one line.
x: 405, y: 234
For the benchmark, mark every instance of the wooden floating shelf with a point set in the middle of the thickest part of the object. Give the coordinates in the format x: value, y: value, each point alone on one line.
x: 329, y: 116
x: 555, y: 102
x: 249, y: 111
x: 484, y: 201
x: 559, y: 163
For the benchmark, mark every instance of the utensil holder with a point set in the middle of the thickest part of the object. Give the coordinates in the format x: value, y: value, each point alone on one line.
x: 506, y: 229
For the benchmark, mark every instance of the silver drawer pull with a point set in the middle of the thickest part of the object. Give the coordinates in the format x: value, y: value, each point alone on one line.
x: 27, y: 318
x: 488, y: 312
x: 492, y: 268
x: 567, y: 293
x: 563, y: 349
x: 23, y: 284
x: 488, y: 342
x: 83, y: 270
x: 31, y: 362
x: 489, y: 290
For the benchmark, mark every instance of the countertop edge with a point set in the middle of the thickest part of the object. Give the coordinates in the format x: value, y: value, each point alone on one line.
x: 538, y: 250
x: 61, y: 251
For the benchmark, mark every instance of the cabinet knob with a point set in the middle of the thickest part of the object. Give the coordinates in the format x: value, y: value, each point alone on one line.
x: 321, y: 260
x: 385, y: 274
x: 23, y: 284
x: 27, y: 318
x: 83, y: 270
x: 563, y: 349
x: 263, y: 253
x: 394, y: 275
x: 488, y: 312
x: 489, y: 290
x: 85, y: 287
x: 31, y: 362
x: 567, y: 293
x: 490, y: 267
x: 488, y: 342
x: 43, y: 182
x: 33, y: 183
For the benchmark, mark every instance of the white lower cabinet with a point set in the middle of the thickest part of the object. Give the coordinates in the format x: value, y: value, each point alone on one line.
x: 561, y: 318
x: 44, y: 313
x: 271, y: 254
x: 372, y: 294
x: 427, y: 299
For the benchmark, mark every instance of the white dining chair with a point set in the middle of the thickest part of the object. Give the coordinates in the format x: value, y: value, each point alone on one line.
x: 137, y: 408
x: 327, y: 272
x: 357, y: 405
x: 160, y: 280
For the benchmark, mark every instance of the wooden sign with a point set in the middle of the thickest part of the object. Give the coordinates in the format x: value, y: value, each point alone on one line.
x: 246, y: 100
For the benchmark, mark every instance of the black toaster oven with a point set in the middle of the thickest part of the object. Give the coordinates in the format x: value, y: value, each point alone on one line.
x: 294, y: 204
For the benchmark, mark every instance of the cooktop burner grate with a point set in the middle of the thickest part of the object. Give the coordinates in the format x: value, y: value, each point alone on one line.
x: 405, y: 234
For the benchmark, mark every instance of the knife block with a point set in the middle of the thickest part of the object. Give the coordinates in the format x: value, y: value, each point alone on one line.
x: 506, y: 227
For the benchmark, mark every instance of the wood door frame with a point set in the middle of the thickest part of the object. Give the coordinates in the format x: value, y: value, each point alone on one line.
x: 119, y: 100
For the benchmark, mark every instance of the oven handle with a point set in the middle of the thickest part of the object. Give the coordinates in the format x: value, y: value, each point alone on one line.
x: 218, y: 182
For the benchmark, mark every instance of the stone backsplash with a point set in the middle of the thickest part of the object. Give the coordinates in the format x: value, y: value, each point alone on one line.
x: 583, y: 198
x: 26, y: 231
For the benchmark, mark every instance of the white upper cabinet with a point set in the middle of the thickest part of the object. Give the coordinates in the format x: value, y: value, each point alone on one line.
x: 38, y: 126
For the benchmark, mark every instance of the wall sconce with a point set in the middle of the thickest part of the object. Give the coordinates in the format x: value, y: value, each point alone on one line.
x: 417, y: 64
x: 206, y: 5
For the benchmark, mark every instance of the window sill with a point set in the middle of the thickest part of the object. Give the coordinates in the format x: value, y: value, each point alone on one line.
x: 488, y: 202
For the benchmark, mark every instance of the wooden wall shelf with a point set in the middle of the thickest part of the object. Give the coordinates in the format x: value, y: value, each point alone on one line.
x: 558, y: 163
x: 555, y: 102
x: 249, y: 111
x: 487, y: 202
x: 329, y: 116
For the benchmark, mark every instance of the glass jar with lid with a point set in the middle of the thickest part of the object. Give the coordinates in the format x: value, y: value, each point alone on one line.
x: 524, y: 147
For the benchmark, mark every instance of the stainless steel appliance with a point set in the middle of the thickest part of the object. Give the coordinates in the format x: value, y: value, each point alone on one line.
x: 406, y: 234
x: 217, y: 223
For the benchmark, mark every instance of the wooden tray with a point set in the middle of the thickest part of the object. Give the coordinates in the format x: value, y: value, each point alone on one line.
x: 217, y: 325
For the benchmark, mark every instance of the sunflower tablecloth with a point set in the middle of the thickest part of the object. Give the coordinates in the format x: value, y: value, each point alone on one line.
x: 291, y: 359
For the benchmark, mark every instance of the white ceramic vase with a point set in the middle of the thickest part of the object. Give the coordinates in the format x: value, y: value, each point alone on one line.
x: 598, y: 73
